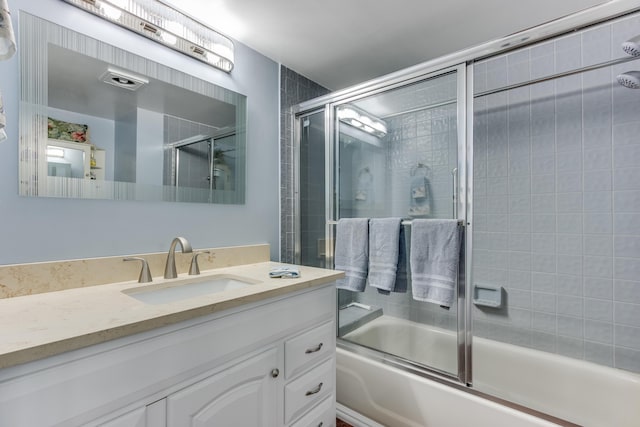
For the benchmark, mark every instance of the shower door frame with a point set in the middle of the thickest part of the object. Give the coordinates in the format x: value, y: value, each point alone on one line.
x: 460, y: 196
x: 176, y: 155
x: 297, y: 138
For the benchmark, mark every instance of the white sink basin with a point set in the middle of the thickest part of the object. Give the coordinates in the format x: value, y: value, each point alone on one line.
x: 188, y: 288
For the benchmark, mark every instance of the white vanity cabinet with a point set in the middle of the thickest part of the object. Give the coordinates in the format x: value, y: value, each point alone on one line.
x: 242, y: 395
x: 135, y: 418
x: 266, y: 363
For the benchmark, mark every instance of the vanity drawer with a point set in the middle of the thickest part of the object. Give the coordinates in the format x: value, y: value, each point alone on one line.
x: 306, y: 391
x: 323, y: 415
x: 308, y: 348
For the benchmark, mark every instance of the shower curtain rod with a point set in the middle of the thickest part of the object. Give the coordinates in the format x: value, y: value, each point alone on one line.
x: 557, y: 76
x: 404, y: 222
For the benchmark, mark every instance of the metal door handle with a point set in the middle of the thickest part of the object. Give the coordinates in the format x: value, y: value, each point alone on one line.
x: 275, y: 372
x: 454, y: 173
x: 315, y: 390
x: 314, y: 349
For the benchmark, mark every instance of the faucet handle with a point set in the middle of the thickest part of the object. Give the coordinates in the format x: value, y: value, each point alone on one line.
x: 145, y: 273
x: 194, y: 269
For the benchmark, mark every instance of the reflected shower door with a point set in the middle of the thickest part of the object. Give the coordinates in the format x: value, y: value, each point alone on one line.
x: 193, y: 162
x: 385, y: 145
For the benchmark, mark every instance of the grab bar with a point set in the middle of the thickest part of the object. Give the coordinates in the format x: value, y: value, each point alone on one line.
x: 356, y: 304
x: 454, y: 173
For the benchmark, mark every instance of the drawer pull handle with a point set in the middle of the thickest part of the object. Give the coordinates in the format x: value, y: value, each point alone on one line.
x: 315, y: 390
x: 275, y: 372
x: 314, y: 349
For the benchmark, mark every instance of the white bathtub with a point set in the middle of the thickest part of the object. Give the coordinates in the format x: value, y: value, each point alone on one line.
x: 580, y: 392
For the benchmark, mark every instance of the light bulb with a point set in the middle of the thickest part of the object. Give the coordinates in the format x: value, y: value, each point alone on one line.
x: 212, y: 57
x: 122, y: 4
x: 174, y: 27
x: 55, y: 151
x: 168, y: 38
x: 222, y: 50
x: 346, y: 113
x: 366, y: 120
x: 379, y: 126
x: 110, y: 11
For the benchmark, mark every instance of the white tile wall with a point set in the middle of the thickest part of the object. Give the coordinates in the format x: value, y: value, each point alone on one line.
x: 557, y: 198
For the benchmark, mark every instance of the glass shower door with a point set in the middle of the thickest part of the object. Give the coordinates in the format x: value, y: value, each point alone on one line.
x: 311, y: 241
x: 385, y: 143
x: 193, y: 165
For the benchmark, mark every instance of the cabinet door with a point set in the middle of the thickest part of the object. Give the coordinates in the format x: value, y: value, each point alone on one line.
x: 136, y: 418
x: 152, y: 415
x: 242, y: 395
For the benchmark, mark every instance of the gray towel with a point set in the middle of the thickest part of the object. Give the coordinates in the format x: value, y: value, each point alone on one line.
x: 7, y: 37
x: 402, y: 277
x: 435, y: 254
x: 384, y: 239
x: 352, y: 253
x: 402, y: 271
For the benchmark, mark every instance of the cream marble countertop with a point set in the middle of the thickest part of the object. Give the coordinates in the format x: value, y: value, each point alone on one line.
x: 37, y: 326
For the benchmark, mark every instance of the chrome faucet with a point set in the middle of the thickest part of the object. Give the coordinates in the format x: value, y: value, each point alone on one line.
x: 195, y: 269
x: 145, y: 273
x: 170, y: 267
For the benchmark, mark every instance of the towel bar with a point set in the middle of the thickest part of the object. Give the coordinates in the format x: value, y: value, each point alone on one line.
x: 404, y: 222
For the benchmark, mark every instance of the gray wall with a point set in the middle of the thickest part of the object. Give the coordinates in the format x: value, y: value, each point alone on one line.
x: 557, y: 199
x: 149, y: 152
x: 30, y: 227
x: 125, y: 153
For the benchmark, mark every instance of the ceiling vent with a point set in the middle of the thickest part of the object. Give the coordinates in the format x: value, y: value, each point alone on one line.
x: 123, y: 79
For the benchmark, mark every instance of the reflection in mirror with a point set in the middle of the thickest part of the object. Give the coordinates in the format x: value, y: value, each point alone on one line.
x: 99, y: 122
x: 198, y: 156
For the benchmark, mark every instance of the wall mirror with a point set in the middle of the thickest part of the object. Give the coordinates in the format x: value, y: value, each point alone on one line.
x: 99, y: 122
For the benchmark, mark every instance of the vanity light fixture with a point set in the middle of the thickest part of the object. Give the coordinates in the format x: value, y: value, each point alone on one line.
x: 362, y: 120
x: 165, y: 24
x: 55, y: 151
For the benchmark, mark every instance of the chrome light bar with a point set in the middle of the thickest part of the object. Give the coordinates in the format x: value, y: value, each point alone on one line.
x: 164, y: 24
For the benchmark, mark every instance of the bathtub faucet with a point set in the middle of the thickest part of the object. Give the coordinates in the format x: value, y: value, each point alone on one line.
x: 170, y: 267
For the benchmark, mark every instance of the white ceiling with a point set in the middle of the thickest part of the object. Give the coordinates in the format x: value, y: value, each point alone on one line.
x: 339, y: 43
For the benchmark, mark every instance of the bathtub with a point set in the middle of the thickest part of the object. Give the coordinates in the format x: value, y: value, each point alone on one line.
x: 579, y: 392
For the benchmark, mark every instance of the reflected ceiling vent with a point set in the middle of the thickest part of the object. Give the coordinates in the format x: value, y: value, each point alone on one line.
x: 123, y: 79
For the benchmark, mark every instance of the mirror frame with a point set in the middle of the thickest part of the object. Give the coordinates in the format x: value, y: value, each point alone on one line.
x: 36, y: 35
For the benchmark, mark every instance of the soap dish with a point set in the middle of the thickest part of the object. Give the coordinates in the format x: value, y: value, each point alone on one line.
x: 487, y: 295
